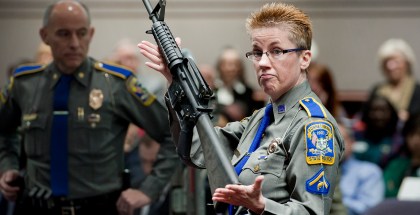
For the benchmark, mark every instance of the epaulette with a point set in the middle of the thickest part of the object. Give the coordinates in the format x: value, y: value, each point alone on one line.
x: 28, y: 69
x: 313, y: 108
x: 114, y: 69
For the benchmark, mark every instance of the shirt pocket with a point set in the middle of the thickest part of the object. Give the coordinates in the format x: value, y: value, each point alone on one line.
x: 262, y: 163
x: 36, y: 138
x: 91, y: 133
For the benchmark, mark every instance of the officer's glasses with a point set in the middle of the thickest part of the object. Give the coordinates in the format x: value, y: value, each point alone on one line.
x: 274, y: 54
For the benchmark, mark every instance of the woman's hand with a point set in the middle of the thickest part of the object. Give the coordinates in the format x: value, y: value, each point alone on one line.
x: 248, y: 196
x: 152, y: 52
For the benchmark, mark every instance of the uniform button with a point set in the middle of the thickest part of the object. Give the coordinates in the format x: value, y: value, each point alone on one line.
x: 257, y: 168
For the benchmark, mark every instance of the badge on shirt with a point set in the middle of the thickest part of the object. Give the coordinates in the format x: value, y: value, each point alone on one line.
x: 318, y: 184
x: 96, y: 98
x: 141, y: 93
x: 273, y: 146
x: 319, y: 138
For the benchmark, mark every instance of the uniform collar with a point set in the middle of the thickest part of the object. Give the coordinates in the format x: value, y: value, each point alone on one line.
x: 289, y: 100
x: 286, y: 102
x: 81, y: 74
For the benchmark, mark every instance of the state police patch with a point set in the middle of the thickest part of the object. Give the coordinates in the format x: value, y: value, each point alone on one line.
x: 3, y: 95
x: 318, y: 184
x: 141, y: 93
x: 319, y: 138
x: 4, y: 91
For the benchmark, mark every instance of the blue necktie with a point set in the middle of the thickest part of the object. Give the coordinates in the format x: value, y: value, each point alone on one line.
x: 59, y: 138
x: 266, y: 120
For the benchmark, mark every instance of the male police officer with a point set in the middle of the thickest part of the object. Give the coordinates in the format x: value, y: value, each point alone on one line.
x: 74, y: 115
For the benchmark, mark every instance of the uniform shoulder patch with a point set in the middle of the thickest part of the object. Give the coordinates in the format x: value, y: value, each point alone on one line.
x: 319, y: 139
x: 313, y: 108
x: 138, y: 91
x: 28, y: 69
x: 4, y: 91
x: 318, y: 183
x: 114, y: 69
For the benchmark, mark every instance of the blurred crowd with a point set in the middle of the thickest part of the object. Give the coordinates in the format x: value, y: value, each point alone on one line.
x: 382, y: 138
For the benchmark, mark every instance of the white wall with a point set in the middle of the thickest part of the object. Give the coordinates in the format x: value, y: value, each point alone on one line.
x: 348, y: 32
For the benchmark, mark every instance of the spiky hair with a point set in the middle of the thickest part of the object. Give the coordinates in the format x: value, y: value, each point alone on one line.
x: 284, y: 15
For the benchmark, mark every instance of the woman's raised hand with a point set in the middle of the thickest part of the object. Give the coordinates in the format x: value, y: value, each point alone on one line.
x: 152, y: 52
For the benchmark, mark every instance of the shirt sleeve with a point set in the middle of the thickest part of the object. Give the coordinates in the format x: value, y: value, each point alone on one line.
x: 9, y: 138
x: 140, y: 107
x: 300, y: 175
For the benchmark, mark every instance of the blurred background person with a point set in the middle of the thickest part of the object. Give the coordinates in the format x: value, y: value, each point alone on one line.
x: 235, y: 98
x: 361, y: 182
x: 43, y: 54
x: 126, y: 54
x: 209, y: 74
x: 322, y: 83
x: 397, y: 61
x: 408, y: 162
x: 377, y: 133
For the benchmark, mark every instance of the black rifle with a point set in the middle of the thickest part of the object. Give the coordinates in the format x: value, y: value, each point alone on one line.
x: 189, y: 96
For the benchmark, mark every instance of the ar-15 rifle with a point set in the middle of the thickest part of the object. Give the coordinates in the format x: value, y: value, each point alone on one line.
x: 189, y: 96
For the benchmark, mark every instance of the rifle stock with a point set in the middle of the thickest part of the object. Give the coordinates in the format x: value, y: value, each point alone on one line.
x: 189, y: 97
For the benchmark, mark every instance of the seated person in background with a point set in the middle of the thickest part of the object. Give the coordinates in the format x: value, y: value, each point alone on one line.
x: 43, y: 54
x: 235, y: 98
x: 408, y: 163
x: 397, y: 60
x: 361, y: 181
x: 322, y: 83
x: 379, y: 138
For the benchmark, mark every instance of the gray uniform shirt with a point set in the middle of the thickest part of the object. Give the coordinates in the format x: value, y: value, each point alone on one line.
x: 97, y: 128
x: 284, y: 166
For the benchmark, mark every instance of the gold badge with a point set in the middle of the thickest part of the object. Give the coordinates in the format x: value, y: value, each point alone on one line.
x: 257, y: 168
x: 96, y: 98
